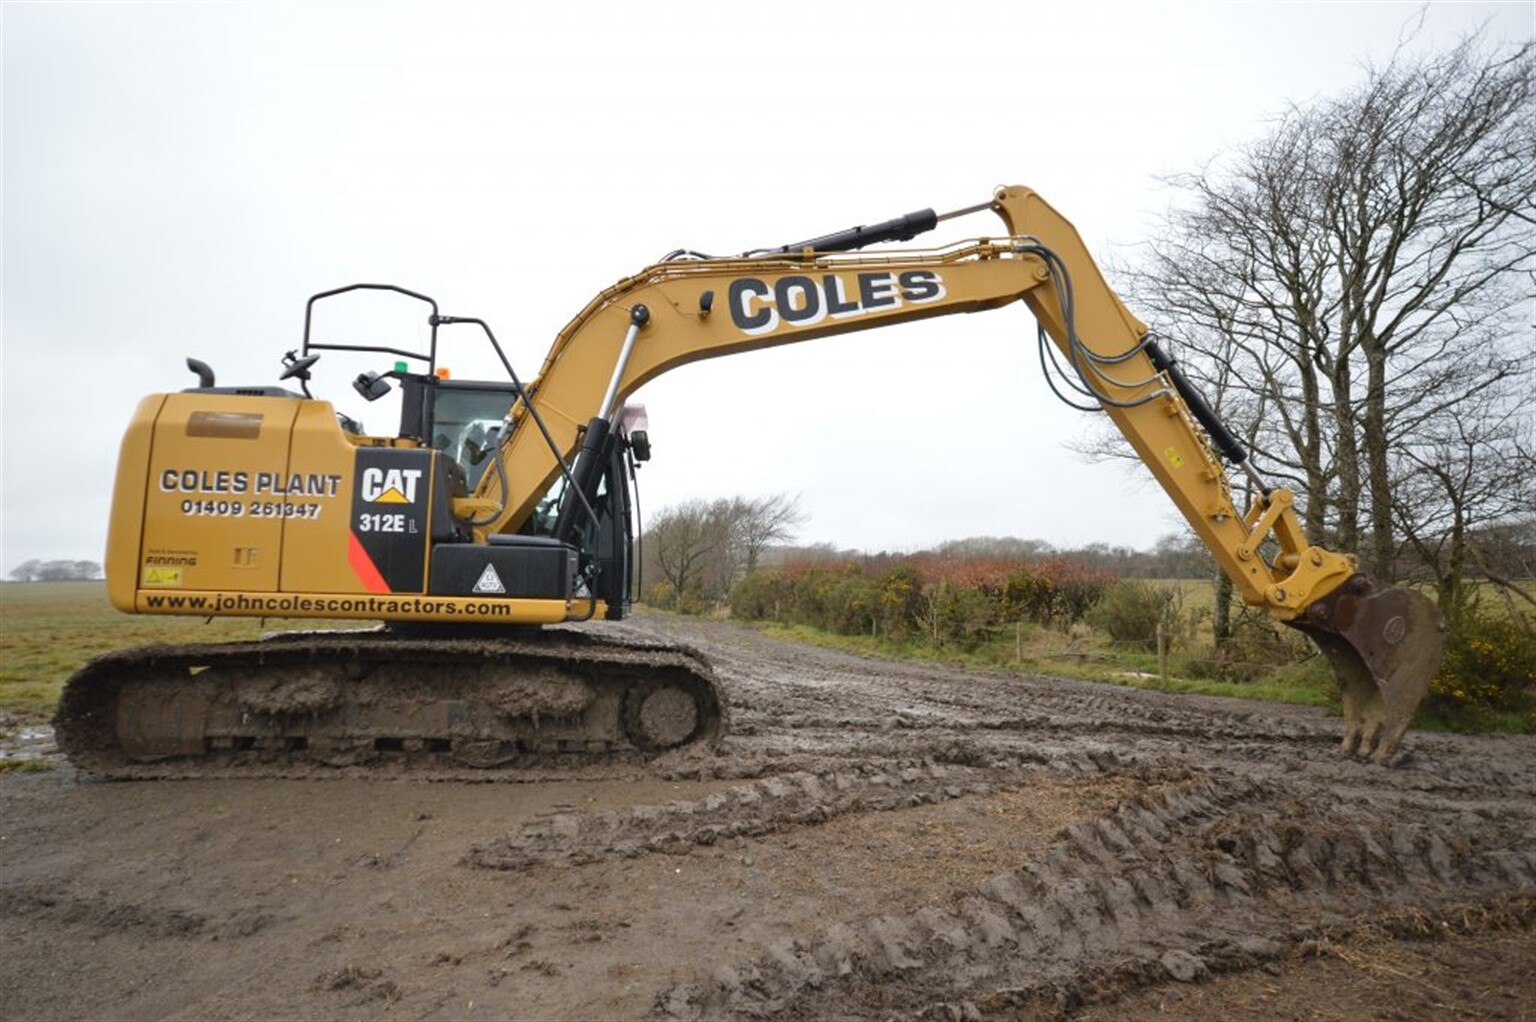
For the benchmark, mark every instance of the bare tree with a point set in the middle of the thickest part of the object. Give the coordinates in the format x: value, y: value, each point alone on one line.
x: 1473, y: 474
x: 761, y: 522
x: 703, y: 547
x: 1353, y: 285
x: 681, y: 542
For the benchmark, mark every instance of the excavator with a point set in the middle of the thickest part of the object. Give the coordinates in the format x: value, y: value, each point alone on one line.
x: 500, y: 508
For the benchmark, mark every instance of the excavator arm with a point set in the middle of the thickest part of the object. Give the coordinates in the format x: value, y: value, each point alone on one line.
x: 1384, y: 643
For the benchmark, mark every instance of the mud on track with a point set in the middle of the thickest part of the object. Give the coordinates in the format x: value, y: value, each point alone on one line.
x: 873, y: 840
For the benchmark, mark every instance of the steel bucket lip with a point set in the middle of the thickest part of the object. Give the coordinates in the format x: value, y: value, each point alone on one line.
x: 1384, y: 644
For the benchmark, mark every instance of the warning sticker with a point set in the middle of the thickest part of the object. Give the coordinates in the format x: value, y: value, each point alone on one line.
x: 165, y: 578
x: 490, y: 582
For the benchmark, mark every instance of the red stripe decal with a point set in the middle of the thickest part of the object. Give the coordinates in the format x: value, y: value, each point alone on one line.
x: 364, y: 567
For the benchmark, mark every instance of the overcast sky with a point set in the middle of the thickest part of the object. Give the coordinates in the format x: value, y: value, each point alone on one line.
x: 179, y: 178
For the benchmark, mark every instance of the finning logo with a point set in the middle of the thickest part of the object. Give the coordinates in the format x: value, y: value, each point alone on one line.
x: 390, y: 486
x: 490, y: 582
x: 758, y: 307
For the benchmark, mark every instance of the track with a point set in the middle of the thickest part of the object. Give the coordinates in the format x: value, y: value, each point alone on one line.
x: 433, y: 707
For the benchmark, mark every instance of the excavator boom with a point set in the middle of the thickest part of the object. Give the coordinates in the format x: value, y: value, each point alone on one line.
x: 1384, y: 643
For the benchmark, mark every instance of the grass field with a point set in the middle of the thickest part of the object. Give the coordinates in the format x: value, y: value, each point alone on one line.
x: 49, y: 629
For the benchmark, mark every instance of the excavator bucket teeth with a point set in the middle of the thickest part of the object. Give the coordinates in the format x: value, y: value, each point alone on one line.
x: 1384, y: 644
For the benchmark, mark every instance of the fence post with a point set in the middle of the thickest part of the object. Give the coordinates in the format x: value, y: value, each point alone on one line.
x: 1162, y: 652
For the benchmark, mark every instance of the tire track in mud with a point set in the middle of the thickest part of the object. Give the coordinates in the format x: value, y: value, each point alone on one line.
x: 1106, y: 985
x: 1212, y: 874
x: 774, y: 804
x: 854, y: 707
x: 796, y: 704
x: 776, y: 687
x: 100, y: 915
x: 1169, y: 878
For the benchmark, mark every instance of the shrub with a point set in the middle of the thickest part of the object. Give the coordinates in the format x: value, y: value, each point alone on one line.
x: 1053, y: 591
x: 1131, y: 610
x: 808, y: 597
x: 955, y: 615
x: 1027, y: 596
x: 1257, y: 649
x: 898, y: 597
x: 849, y: 607
x: 1076, y: 596
x: 763, y: 595
x: 693, y: 601
x: 1489, y: 669
x: 836, y: 598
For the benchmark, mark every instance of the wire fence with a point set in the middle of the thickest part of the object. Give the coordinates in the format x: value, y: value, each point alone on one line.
x: 1134, y: 656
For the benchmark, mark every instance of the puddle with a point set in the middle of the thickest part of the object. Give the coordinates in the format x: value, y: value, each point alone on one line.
x: 32, y: 742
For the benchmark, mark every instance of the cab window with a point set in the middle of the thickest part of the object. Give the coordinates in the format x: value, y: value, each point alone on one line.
x: 466, y: 425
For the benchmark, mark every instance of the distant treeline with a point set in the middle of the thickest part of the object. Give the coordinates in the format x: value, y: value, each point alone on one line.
x: 1173, y: 556
x: 55, y: 571
x: 1504, y: 552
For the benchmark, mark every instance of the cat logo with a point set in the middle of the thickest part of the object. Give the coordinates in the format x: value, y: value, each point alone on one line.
x: 390, y: 486
x: 490, y: 582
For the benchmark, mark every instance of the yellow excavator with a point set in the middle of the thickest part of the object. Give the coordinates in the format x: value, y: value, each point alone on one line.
x: 501, y: 507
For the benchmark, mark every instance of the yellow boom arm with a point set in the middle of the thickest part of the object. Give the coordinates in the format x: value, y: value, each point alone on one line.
x: 702, y: 309
x: 681, y: 311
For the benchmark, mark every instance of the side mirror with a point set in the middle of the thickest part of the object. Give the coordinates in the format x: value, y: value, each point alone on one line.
x: 371, y: 386
x: 640, y: 443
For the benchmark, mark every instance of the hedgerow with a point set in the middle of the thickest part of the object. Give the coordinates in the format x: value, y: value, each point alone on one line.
x: 945, y: 601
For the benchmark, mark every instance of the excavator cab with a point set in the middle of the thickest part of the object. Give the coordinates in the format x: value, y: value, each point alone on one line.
x: 464, y: 420
x: 581, y: 540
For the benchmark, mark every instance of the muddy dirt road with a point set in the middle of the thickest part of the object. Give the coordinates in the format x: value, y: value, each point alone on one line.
x: 874, y: 840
